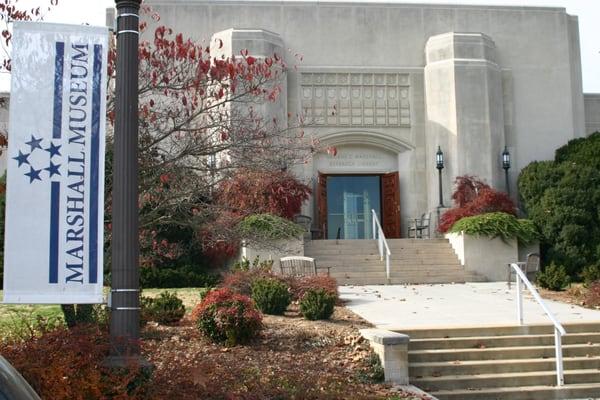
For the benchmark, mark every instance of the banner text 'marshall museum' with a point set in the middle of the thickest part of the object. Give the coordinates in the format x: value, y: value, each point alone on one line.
x: 55, y: 182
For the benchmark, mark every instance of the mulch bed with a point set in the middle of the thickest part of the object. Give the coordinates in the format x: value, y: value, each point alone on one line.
x: 293, y: 359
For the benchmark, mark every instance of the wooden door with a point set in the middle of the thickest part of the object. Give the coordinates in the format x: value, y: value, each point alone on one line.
x: 322, y: 204
x: 390, y: 189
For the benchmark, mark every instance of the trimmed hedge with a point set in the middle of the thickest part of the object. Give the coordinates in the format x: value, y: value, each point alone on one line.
x: 186, y: 276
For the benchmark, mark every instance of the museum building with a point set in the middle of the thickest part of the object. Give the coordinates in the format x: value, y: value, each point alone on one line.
x: 390, y: 84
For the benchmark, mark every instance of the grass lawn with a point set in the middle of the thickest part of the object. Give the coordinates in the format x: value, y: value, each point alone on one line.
x: 19, y: 319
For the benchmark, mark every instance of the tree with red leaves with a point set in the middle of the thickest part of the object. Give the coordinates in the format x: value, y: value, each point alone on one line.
x: 473, y: 197
x: 200, y: 126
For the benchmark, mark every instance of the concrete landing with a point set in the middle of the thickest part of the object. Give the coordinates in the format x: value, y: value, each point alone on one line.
x: 451, y: 305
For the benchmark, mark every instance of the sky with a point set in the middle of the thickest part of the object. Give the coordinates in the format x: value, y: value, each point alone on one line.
x: 93, y: 12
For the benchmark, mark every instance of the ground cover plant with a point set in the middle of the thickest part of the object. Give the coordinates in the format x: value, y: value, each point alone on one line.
x: 497, y: 224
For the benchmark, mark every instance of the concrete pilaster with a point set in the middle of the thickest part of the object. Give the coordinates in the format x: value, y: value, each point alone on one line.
x: 465, y: 111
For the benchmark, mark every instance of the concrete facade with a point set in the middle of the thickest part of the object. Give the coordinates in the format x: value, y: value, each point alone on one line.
x: 406, y: 78
x: 592, y: 113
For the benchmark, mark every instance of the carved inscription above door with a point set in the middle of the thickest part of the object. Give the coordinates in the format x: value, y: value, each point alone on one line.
x: 356, y: 99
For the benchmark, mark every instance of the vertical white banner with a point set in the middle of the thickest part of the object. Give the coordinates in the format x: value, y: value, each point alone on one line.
x: 55, y: 180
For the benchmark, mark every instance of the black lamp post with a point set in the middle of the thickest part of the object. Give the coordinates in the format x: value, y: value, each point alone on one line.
x: 125, y: 305
x: 439, y: 164
x: 506, y: 167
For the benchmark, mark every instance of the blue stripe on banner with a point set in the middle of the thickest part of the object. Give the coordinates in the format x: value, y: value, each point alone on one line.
x: 58, y: 89
x: 94, y: 163
x: 54, y: 226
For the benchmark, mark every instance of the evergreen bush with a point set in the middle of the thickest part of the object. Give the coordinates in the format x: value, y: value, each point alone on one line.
x: 166, y: 309
x: 590, y: 274
x: 562, y: 197
x: 271, y: 296
x: 317, y: 304
x: 553, y: 277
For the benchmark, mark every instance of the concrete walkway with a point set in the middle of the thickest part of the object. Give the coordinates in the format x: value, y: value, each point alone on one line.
x: 448, y: 305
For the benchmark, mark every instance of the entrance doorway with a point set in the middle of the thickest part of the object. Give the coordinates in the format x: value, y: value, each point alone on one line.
x: 345, y: 203
x: 350, y: 200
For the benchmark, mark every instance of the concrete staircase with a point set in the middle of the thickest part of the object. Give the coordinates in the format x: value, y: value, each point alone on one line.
x: 506, y: 362
x: 357, y: 262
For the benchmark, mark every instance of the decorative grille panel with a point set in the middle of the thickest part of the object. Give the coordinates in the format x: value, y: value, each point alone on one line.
x: 356, y: 99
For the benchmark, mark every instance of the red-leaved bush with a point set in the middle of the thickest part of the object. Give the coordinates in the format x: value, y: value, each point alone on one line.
x: 227, y: 317
x: 240, y: 282
x: 474, y: 197
x: 259, y: 192
x: 300, y: 285
x: 592, y: 296
x: 67, y: 364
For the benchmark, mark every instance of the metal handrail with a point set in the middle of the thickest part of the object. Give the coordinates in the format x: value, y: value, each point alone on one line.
x: 559, y: 331
x: 381, y: 242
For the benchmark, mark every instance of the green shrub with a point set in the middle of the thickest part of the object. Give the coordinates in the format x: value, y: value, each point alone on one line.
x: 271, y: 296
x: 181, y: 277
x: 562, y: 197
x: 317, y: 304
x: 372, y: 370
x: 590, y: 274
x: 166, y: 309
x: 553, y: 277
x: 245, y: 265
x: 227, y: 317
x: 266, y: 227
x: 497, y: 224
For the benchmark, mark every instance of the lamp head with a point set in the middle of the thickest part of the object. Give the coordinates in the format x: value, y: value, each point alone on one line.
x: 439, y: 159
x: 505, y: 158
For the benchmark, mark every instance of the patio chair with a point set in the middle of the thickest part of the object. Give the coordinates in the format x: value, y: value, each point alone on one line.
x: 304, y: 221
x: 299, y: 266
x: 529, y: 267
x: 419, y: 228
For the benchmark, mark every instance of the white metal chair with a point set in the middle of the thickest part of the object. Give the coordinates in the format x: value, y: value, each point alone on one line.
x: 419, y: 228
x: 299, y: 266
x: 529, y: 267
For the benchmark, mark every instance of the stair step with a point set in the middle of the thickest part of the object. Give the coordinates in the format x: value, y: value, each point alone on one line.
x: 572, y: 391
x: 536, y: 378
x: 501, y: 330
x: 444, y: 368
x: 502, y: 353
x: 501, y: 341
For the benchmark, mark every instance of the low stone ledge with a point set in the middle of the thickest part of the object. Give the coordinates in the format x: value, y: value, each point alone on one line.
x: 384, y: 337
x: 392, y: 349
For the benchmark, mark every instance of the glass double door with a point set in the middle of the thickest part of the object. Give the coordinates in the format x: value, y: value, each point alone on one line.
x: 350, y: 199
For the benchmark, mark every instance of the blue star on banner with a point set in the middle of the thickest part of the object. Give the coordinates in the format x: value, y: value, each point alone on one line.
x: 53, y: 150
x: 34, y: 143
x: 22, y: 158
x: 33, y: 174
x: 53, y: 169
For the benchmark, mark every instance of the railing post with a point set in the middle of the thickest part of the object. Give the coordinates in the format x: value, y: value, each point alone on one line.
x: 560, y: 377
x: 387, y: 266
x: 374, y: 224
x: 519, y: 300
